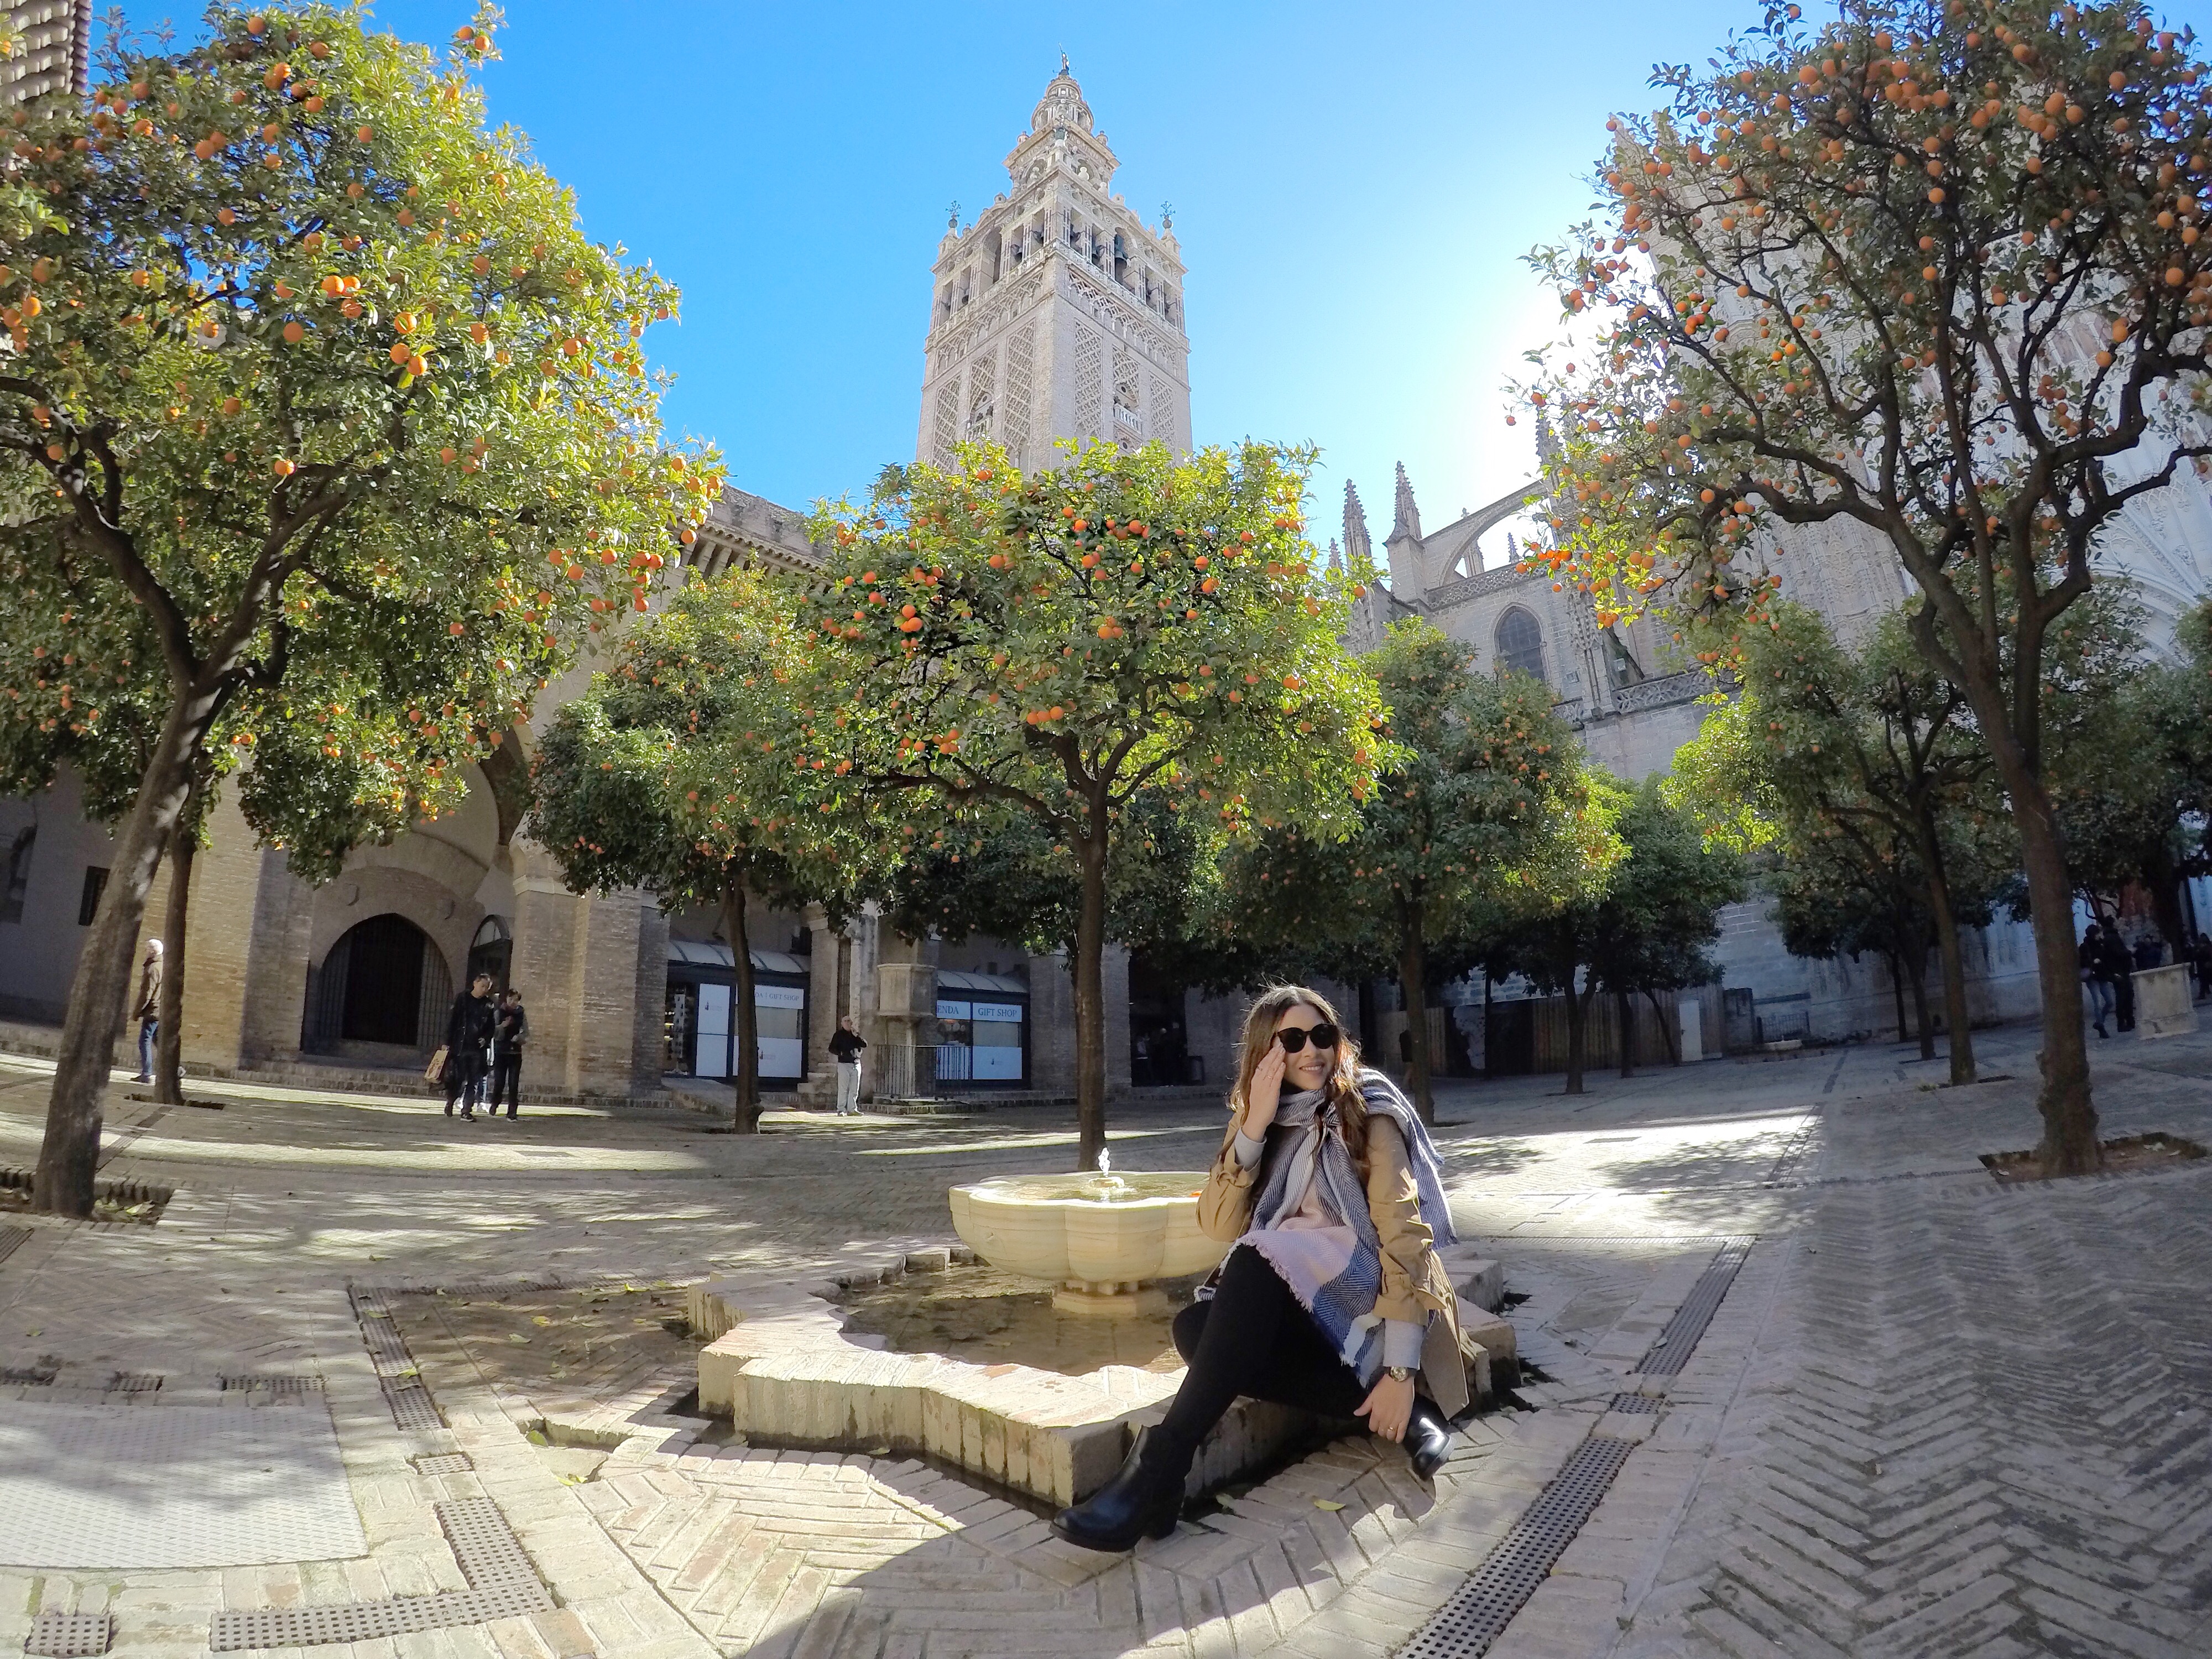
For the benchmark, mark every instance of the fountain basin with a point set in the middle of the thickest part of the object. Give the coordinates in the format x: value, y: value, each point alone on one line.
x: 1100, y: 1251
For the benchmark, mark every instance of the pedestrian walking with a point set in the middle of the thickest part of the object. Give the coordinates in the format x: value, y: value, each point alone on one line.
x: 845, y: 1046
x: 2201, y: 954
x: 468, y: 1047
x: 510, y: 1032
x: 2091, y: 959
x: 2119, y: 968
x: 1333, y: 1299
x: 149, y: 1009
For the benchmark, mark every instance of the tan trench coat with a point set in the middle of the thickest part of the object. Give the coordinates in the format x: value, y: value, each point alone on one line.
x: 1415, y: 1284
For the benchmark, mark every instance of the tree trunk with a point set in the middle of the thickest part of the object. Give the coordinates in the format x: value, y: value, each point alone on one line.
x: 1091, y: 1001
x: 1624, y: 1019
x: 1946, y: 944
x: 1897, y: 990
x: 747, y: 1079
x: 1413, y: 986
x: 169, y: 1032
x: 1669, y: 1031
x: 100, y: 993
x: 2164, y: 882
x: 1368, y: 1039
x: 1577, y: 1015
x: 1955, y: 978
x: 2070, y: 1120
x: 1919, y: 988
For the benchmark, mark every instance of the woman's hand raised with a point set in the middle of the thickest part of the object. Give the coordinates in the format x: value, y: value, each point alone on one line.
x: 1265, y: 1092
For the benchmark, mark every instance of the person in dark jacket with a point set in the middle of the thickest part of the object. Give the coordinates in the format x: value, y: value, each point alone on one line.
x: 468, y: 1046
x: 2119, y: 968
x: 2201, y: 955
x: 2091, y: 960
x: 845, y: 1048
x: 510, y: 1032
x: 2150, y: 950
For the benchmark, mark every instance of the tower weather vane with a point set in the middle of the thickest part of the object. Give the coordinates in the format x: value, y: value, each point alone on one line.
x: 953, y: 216
x: 1167, y: 215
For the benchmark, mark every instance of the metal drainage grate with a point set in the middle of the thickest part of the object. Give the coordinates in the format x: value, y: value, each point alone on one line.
x: 1635, y: 1405
x: 1481, y: 1607
x: 9, y: 1238
x: 412, y: 1405
x: 277, y: 1383
x: 502, y: 1584
x: 409, y: 1400
x: 70, y: 1635
x: 1671, y: 1351
x: 483, y: 1544
x: 442, y: 1463
x: 134, y: 1382
x: 368, y: 1621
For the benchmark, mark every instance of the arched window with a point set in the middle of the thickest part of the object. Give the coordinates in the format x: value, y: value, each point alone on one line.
x: 1520, y: 644
x: 491, y: 951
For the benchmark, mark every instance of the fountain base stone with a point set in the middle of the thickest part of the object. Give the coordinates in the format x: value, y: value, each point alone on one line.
x: 792, y: 1364
x: 1135, y: 1303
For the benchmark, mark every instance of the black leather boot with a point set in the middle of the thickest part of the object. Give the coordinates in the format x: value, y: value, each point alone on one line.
x: 1140, y: 1502
x: 1428, y: 1439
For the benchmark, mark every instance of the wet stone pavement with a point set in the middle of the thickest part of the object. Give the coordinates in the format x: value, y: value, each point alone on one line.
x: 383, y: 1384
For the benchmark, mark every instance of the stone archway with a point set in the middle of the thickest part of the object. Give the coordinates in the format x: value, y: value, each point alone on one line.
x: 385, y: 985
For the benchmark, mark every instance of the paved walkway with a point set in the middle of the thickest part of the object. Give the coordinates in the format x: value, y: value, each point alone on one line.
x: 1931, y: 1416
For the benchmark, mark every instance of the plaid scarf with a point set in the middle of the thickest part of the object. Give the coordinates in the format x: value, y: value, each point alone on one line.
x: 1336, y: 1270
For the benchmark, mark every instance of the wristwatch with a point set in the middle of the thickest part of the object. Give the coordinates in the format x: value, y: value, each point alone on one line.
x: 1399, y: 1373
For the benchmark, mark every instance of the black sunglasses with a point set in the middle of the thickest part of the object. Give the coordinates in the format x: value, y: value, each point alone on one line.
x: 1293, y: 1039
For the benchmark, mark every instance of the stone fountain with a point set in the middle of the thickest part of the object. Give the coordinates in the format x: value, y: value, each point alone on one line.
x: 794, y: 1364
x: 1100, y: 1240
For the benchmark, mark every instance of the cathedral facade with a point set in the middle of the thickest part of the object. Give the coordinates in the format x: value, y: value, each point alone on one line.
x: 1633, y: 700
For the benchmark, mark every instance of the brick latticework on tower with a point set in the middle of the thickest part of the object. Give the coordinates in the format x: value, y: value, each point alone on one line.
x: 53, y: 49
x: 1058, y: 313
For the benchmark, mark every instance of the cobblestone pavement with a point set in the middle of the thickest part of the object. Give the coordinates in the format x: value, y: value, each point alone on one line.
x: 1931, y: 1416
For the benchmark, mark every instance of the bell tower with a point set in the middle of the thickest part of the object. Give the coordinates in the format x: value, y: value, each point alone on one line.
x: 1058, y: 312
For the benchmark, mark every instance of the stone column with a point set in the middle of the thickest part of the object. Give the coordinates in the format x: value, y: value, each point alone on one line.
x: 1113, y: 990
x: 822, y: 989
x: 1052, y: 1025
x: 906, y: 1001
x: 592, y: 969
x: 246, y: 949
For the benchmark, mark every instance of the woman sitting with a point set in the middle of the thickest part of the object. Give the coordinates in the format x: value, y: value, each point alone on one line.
x: 1332, y: 1299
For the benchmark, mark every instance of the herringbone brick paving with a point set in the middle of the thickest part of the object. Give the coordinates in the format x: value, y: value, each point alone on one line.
x: 1931, y: 1416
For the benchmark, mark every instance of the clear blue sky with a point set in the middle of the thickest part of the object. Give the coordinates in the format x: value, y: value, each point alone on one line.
x: 1353, y: 187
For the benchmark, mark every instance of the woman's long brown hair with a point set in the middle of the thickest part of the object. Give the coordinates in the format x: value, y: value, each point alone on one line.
x: 1342, y: 1084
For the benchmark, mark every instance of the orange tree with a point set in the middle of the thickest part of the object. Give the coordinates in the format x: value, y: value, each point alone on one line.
x: 682, y: 771
x: 1480, y: 811
x: 322, y: 377
x: 1924, y: 274
x: 1047, y: 647
x: 1876, y: 782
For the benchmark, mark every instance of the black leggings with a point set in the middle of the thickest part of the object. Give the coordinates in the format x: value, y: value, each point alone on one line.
x: 1254, y: 1338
